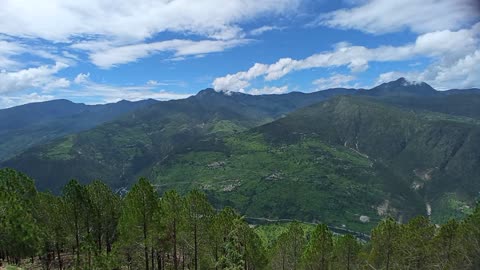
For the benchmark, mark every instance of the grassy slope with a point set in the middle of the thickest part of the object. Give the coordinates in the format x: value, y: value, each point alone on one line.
x: 335, y: 161
x: 310, y: 180
x: 120, y: 151
x: 329, y: 162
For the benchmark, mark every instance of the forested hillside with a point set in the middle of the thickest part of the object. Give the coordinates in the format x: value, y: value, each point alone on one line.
x: 345, y: 161
x: 32, y: 124
x: 118, y: 151
x: 91, y: 227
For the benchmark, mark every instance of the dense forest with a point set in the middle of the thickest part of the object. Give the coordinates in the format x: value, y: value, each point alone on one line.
x: 93, y: 227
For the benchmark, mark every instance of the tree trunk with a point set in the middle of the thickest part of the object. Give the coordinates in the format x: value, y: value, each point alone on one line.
x: 145, y: 243
x: 183, y: 259
x: 159, y: 261
x: 152, y: 257
x: 196, y: 246
x: 59, y: 256
x: 77, y: 242
x: 175, y: 262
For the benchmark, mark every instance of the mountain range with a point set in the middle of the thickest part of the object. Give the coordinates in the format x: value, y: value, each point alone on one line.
x: 36, y: 123
x: 341, y: 156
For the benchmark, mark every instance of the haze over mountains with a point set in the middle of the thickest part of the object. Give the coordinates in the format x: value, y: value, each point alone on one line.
x: 401, y: 149
x: 35, y: 123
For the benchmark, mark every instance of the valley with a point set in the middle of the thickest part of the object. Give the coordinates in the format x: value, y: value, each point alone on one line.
x: 341, y: 157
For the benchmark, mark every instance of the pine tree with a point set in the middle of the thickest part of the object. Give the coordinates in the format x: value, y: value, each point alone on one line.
x: 173, y: 211
x: 19, y: 233
x: 448, y: 247
x: 346, y: 252
x: 415, y: 243
x: 105, y: 211
x: 50, y: 216
x: 76, y: 204
x: 233, y: 257
x: 198, y: 217
x: 221, y: 226
x: 384, y: 253
x: 470, y: 232
x: 136, y: 222
x: 289, y: 248
x: 318, y: 254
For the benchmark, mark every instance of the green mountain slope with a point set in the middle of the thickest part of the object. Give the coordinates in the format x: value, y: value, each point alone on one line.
x: 119, y: 151
x: 336, y: 161
x: 32, y: 124
x: 307, y: 180
x: 340, y: 161
x: 434, y: 153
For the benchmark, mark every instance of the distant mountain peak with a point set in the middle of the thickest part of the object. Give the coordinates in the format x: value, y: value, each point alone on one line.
x: 404, y: 82
x: 207, y: 92
x: 401, y: 87
x: 212, y: 92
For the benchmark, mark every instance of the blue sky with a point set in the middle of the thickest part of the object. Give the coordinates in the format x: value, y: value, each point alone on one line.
x: 92, y: 51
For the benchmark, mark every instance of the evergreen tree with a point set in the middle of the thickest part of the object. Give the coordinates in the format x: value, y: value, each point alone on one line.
x: 346, y: 252
x: 105, y: 211
x: 449, y: 248
x: 76, y: 204
x: 173, y: 211
x: 255, y: 255
x: 198, y: 217
x: 318, y: 254
x: 233, y: 257
x: 470, y: 231
x: 415, y: 244
x: 50, y: 216
x: 289, y: 248
x: 384, y: 253
x: 136, y: 222
x: 219, y: 231
x: 19, y: 233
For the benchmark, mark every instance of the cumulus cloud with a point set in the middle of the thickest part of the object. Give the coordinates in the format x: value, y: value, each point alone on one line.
x: 449, y: 73
x: 132, y: 20
x: 42, y: 77
x: 105, y: 55
x: 442, y: 46
x: 383, y: 16
x: 82, y: 78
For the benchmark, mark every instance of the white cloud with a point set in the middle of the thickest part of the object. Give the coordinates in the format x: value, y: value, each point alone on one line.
x: 85, y: 90
x: 263, y: 29
x: 105, y: 93
x: 7, y: 50
x: 442, y: 46
x: 382, y: 16
x: 11, y: 101
x: 334, y: 81
x: 152, y: 83
x: 107, y: 56
x: 268, y: 90
x: 463, y: 72
x: 82, y: 78
x: 57, y: 84
x: 63, y: 20
x: 10, y: 48
x: 41, y: 77
x: 111, y: 32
